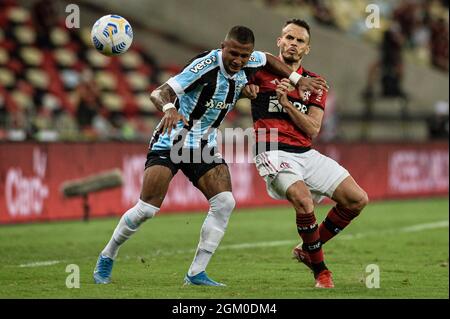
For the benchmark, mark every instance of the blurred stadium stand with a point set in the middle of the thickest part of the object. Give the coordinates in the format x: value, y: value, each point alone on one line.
x: 55, y: 86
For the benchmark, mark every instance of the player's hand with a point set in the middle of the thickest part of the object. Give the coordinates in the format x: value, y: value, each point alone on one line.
x: 283, y: 87
x: 170, y: 119
x: 250, y: 91
x: 312, y: 84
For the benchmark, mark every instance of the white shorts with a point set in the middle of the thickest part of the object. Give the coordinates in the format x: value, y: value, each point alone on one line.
x: 280, y: 169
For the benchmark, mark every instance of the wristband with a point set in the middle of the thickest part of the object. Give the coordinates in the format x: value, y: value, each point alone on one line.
x: 294, y: 78
x: 167, y: 107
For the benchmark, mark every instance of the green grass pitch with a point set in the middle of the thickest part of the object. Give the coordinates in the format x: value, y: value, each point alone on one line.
x: 407, y: 240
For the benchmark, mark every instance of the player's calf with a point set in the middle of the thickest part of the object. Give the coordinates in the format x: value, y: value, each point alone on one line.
x: 351, y: 200
x: 128, y: 225
x: 308, y: 230
x: 212, y: 231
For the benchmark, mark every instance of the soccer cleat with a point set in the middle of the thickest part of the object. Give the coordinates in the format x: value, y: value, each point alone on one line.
x: 302, y: 256
x: 324, y: 279
x: 103, y: 269
x: 201, y: 279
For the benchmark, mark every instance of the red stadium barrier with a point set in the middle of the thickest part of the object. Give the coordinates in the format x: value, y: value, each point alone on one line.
x: 31, y: 176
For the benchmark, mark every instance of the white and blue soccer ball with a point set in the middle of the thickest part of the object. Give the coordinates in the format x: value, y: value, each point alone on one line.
x: 112, y: 35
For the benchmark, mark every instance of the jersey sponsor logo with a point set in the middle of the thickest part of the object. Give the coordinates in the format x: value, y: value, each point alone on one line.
x: 202, y: 64
x: 212, y: 104
x: 314, y: 246
x: 275, y: 106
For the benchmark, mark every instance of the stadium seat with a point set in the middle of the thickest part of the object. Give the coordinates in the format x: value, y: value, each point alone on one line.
x: 131, y: 60
x: 4, y: 56
x: 96, y: 60
x: 51, y: 102
x: 25, y: 35
x: 59, y: 37
x: 85, y: 36
x: 106, y: 80
x: 38, y: 78
x: 112, y: 101
x: 22, y: 100
x: 137, y: 81
x: 70, y: 78
x: 18, y: 15
x: 65, y: 57
x: 7, y: 78
x: 31, y: 56
x: 144, y: 103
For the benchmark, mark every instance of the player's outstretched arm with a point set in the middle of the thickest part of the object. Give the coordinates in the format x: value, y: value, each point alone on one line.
x: 163, y: 98
x: 309, y: 123
x: 275, y: 66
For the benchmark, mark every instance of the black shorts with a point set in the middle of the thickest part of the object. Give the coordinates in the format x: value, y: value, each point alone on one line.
x: 192, y: 169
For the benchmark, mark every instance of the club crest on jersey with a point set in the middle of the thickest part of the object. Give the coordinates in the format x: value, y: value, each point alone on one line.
x: 202, y: 64
x: 212, y: 104
x: 285, y: 165
x: 306, y: 95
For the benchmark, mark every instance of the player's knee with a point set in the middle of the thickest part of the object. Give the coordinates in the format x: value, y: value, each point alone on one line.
x: 147, y: 210
x: 223, y: 202
x: 358, y: 204
x: 140, y: 213
x: 222, y: 206
x: 302, y: 203
x: 362, y: 201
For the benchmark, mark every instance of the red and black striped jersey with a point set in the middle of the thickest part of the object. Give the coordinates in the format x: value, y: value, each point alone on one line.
x: 268, y: 113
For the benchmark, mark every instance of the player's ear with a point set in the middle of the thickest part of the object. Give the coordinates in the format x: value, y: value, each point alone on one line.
x: 308, y: 48
x: 278, y: 42
x: 222, y: 45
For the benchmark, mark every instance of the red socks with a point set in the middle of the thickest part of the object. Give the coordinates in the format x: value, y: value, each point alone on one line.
x: 309, y: 232
x: 337, y: 219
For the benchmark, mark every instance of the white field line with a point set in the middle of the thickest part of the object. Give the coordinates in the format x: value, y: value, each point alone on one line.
x: 408, y: 229
x: 40, y: 263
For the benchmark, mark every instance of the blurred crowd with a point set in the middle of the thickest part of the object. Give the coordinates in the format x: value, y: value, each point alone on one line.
x: 54, y: 86
x: 417, y: 30
x: 423, y: 24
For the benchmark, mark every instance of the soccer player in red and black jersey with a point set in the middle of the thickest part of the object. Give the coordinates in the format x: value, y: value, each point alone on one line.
x: 291, y: 169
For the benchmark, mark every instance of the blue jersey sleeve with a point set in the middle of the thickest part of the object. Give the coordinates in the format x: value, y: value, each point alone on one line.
x: 257, y: 59
x: 193, y: 72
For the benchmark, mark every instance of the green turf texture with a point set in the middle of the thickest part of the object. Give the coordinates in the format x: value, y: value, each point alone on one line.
x: 413, y: 262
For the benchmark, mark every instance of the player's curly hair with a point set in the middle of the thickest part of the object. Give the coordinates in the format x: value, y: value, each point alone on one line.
x: 241, y: 34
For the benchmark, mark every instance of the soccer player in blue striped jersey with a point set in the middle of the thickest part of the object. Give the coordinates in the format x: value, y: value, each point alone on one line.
x: 194, y: 103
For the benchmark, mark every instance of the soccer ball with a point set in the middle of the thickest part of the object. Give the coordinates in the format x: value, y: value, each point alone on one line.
x: 112, y: 35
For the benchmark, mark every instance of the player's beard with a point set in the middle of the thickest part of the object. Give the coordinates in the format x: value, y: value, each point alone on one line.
x: 290, y: 58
